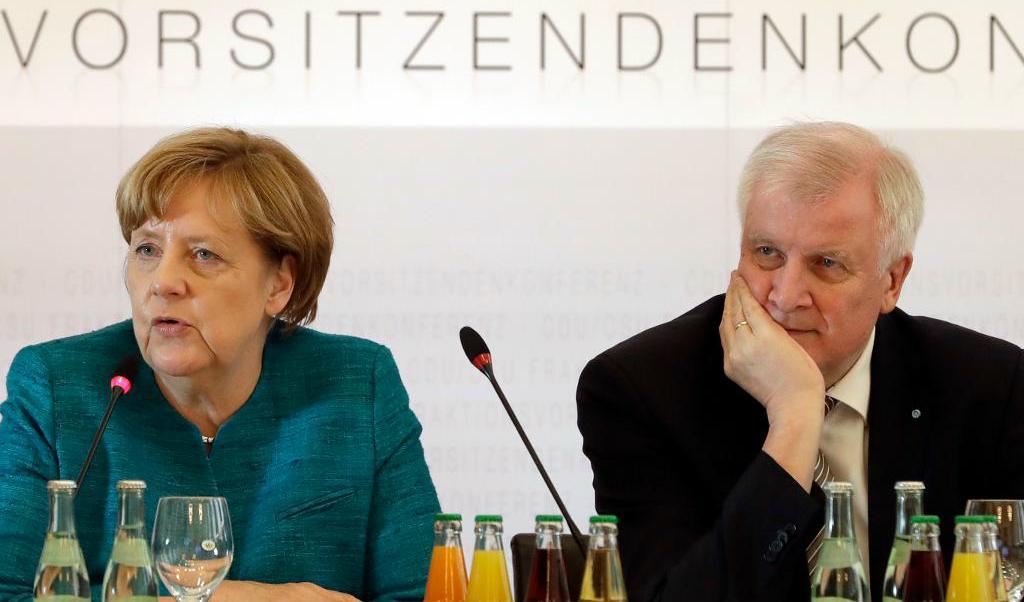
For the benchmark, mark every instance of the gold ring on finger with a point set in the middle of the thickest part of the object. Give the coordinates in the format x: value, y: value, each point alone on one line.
x: 741, y: 323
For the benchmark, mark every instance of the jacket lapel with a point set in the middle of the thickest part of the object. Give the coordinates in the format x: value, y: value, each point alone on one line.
x: 897, y: 435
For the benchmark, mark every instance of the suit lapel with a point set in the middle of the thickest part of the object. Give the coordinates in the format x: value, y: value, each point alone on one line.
x: 897, y: 436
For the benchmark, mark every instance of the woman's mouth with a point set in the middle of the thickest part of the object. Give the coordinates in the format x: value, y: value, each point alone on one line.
x: 169, y: 326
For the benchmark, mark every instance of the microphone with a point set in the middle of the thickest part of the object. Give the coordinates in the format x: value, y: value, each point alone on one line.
x: 120, y: 385
x: 480, y: 356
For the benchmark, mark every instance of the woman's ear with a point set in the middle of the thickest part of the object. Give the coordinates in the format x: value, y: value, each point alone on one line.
x: 282, y: 283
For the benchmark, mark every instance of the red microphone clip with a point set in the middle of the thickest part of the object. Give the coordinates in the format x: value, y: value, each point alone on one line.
x: 482, y: 360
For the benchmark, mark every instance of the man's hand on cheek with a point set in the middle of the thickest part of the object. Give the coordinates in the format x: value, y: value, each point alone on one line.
x: 765, y: 361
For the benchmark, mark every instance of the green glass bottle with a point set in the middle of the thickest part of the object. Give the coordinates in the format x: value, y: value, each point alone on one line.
x: 839, y: 574
x: 61, y: 576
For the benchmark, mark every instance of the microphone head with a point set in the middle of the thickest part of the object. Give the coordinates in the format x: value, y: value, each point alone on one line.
x: 476, y: 349
x: 124, y: 373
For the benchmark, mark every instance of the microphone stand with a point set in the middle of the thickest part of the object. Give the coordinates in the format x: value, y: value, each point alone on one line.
x: 115, y: 394
x: 489, y: 372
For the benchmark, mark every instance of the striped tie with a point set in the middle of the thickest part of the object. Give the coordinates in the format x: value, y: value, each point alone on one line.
x: 822, y: 475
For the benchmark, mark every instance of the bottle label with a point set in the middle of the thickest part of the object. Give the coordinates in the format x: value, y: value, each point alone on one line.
x: 61, y: 552
x: 900, y: 553
x: 131, y: 552
x: 839, y: 553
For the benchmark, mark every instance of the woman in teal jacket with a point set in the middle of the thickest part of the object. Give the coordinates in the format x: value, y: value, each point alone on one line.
x: 309, y: 436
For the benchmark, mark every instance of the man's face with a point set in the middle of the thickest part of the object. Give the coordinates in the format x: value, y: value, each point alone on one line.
x: 814, y: 267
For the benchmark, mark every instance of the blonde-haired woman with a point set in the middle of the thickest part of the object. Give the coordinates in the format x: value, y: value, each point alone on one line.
x: 309, y: 436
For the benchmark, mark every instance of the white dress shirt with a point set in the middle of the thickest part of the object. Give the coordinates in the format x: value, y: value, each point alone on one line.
x: 844, y: 441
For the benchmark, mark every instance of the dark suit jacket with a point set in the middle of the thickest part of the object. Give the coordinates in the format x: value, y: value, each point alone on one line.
x: 706, y: 515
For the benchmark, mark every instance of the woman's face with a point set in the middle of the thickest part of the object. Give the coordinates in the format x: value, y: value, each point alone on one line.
x: 203, y: 292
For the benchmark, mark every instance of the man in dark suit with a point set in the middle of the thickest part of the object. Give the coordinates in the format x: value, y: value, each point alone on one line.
x: 704, y: 432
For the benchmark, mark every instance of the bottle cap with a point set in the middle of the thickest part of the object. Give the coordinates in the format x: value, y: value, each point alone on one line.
x: 442, y: 516
x: 838, y: 487
x: 487, y: 518
x: 61, y: 485
x: 549, y: 518
x: 604, y: 518
x: 909, y: 486
x: 972, y: 520
x: 930, y: 519
x: 128, y: 484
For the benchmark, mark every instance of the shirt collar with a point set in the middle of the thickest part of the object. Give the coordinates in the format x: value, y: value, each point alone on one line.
x: 854, y: 388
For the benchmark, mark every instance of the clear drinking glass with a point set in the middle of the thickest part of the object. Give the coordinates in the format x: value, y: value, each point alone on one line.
x: 1011, y: 539
x: 192, y: 545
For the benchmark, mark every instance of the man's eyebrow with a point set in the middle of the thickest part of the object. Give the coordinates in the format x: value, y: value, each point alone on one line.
x: 835, y: 253
x: 759, y: 239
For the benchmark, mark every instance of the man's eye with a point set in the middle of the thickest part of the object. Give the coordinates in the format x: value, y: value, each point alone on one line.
x: 829, y: 262
x: 766, y: 250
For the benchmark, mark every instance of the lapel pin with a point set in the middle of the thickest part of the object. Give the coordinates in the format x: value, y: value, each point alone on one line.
x: 916, y: 413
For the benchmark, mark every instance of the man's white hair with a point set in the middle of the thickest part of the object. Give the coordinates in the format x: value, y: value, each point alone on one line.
x: 812, y: 161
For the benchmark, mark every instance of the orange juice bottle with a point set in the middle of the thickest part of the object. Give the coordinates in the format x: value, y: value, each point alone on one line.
x: 970, y: 579
x: 447, y: 579
x: 488, y: 581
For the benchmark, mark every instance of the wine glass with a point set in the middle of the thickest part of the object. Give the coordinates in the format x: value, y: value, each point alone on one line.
x: 192, y: 545
x: 1010, y: 521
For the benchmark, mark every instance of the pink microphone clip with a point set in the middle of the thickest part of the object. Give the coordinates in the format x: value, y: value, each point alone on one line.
x: 121, y: 382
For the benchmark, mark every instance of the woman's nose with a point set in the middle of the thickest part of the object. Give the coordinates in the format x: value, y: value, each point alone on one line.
x: 169, y: 279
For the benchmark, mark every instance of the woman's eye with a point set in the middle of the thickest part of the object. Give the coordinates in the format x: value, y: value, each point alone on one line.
x: 205, y: 255
x: 145, y: 250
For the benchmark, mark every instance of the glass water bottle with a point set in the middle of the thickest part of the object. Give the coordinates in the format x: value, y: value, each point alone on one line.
x: 62, y: 574
x: 839, y: 574
x: 130, y: 576
x: 909, y: 502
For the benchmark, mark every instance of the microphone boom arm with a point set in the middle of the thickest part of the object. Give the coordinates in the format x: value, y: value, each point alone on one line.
x: 115, y: 394
x: 489, y: 372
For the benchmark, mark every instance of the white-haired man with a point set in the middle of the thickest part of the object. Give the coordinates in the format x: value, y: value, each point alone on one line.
x: 704, y: 432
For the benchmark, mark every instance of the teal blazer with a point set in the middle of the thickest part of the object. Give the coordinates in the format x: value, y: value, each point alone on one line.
x: 322, y: 467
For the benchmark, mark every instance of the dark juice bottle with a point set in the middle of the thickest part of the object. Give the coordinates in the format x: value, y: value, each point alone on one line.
x: 548, y: 581
x: 926, y: 571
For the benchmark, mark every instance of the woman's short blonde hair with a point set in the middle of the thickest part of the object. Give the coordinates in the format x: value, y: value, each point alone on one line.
x: 277, y: 198
x: 812, y: 161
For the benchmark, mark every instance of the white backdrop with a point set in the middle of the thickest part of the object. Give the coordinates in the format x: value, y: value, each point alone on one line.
x: 558, y: 211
